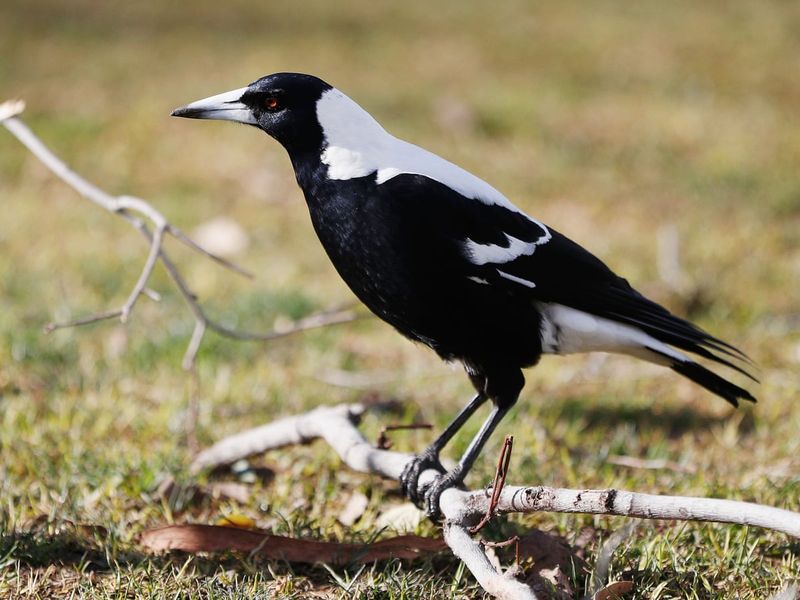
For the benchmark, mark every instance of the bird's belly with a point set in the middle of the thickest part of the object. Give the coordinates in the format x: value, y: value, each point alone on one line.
x: 457, y: 317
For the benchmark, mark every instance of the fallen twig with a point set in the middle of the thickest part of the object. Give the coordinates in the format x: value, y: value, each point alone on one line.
x: 384, y: 443
x: 499, y: 482
x: 463, y: 509
x: 654, y: 464
x: 154, y: 227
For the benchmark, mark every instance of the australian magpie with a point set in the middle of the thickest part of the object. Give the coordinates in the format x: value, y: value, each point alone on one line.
x: 449, y: 261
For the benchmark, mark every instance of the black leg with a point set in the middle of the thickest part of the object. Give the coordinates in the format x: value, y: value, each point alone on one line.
x: 456, y: 476
x: 429, y: 458
x: 503, y: 386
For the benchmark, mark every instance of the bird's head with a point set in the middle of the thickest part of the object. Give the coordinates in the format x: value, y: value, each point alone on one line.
x: 282, y: 104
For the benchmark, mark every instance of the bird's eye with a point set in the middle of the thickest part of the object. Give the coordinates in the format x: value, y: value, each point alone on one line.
x: 272, y: 103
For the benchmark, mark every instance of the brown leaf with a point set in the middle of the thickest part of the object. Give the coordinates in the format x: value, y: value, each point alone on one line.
x: 211, y: 538
x: 552, y: 558
x: 613, y: 591
x: 547, y: 550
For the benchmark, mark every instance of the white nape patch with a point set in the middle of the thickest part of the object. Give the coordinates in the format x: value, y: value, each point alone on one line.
x: 480, y: 254
x: 478, y: 280
x: 567, y: 330
x: 357, y: 145
x: 516, y: 279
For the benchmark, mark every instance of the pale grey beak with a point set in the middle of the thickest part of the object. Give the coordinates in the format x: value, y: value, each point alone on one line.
x: 222, y: 107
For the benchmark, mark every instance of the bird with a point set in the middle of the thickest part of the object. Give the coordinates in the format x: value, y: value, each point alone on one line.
x: 452, y: 263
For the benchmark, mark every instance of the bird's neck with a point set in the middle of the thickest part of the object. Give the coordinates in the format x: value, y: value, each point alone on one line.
x: 309, y: 170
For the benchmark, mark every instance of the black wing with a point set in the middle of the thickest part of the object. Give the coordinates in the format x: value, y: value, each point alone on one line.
x: 549, y: 267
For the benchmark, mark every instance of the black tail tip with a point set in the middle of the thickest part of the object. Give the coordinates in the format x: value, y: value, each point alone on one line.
x: 713, y: 382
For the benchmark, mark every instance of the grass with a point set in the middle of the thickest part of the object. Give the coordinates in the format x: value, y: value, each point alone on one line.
x: 603, y: 119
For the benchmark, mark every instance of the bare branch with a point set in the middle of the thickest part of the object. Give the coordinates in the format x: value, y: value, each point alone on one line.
x: 94, y: 318
x: 463, y: 509
x: 179, y: 235
x: 138, y: 213
x: 141, y: 283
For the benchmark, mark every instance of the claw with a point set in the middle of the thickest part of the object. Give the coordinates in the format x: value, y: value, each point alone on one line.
x: 434, y: 491
x: 409, y: 479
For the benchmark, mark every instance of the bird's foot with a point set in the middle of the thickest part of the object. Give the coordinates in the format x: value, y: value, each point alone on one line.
x: 434, y: 491
x: 409, y: 479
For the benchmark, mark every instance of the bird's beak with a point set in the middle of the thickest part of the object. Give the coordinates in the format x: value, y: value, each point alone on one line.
x: 223, y: 107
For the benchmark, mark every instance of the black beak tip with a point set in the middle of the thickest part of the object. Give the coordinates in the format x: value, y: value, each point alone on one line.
x: 183, y: 111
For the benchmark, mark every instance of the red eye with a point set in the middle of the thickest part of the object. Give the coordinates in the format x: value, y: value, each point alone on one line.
x: 271, y: 103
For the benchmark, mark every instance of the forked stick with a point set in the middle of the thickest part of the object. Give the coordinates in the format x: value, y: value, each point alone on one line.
x: 154, y: 227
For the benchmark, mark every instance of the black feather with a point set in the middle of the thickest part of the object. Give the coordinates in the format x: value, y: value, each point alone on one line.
x: 712, y: 382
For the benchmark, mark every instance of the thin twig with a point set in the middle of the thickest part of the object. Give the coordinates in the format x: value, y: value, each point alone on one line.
x: 141, y: 283
x: 499, y: 482
x: 182, y: 237
x: 512, y: 540
x: 384, y: 443
x: 655, y: 464
x: 87, y: 320
x: 138, y: 212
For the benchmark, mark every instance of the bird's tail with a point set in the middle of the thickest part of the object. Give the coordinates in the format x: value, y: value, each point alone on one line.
x: 668, y: 332
x: 712, y: 382
x: 680, y: 363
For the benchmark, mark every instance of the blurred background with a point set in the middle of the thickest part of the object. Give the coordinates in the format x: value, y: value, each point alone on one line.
x: 663, y: 136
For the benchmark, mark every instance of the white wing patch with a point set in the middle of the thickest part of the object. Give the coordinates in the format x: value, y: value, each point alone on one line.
x: 357, y: 146
x: 480, y: 280
x: 567, y: 330
x: 516, y: 279
x: 480, y: 254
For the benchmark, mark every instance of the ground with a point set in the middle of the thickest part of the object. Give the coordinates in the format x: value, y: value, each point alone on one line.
x: 659, y: 135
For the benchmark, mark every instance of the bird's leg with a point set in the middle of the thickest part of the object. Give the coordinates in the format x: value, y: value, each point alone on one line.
x: 429, y: 458
x: 502, y: 385
x: 456, y: 475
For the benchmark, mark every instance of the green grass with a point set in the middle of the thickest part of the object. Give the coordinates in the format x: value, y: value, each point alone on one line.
x: 604, y: 119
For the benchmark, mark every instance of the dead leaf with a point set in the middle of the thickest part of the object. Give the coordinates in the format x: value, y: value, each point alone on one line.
x: 211, y: 538
x: 614, y: 590
x: 400, y: 518
x: 353, y: 510
x: 230, y: 490
x: 552, y: 559
x: 547, y: 550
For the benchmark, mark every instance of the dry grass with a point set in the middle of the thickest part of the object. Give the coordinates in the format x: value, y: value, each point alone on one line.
x: 605, y: 120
